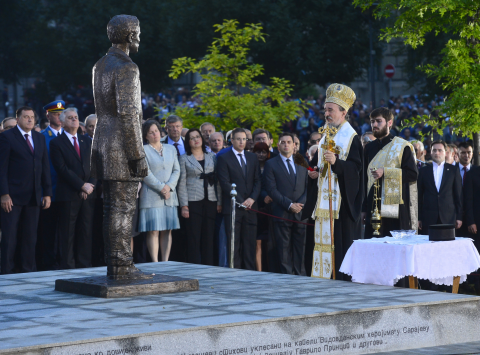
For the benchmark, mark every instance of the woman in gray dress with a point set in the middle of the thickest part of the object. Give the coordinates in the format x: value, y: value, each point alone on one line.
x: 158, y: 197
x: 200, y: 198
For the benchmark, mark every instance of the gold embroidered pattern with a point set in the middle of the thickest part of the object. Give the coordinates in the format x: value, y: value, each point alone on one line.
x: 393, y: 186
x: 322, y: 255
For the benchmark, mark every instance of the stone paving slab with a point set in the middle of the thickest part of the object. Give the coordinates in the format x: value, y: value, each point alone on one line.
x: 455, y: 349
x: 233, y: 310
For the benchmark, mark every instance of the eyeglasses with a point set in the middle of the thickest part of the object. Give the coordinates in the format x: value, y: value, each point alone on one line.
x: 194, y: 138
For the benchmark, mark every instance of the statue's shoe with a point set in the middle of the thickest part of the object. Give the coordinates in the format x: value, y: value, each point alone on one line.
x: 127, y: 273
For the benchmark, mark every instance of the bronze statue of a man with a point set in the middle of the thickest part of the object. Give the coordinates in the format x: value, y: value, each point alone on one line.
x: 118, y: 158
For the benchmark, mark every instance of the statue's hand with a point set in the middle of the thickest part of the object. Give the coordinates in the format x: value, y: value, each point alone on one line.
x: 138, y: 168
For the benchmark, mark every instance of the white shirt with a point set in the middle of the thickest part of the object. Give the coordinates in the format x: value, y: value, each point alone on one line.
x: 23, y: 133
x: 438, y: 174
x: 291, y: 163
x: 180, y: 146
x: 55, y: 131
x: 70, y: 138
x: 284, y: 159
x: 238, y: 158
x: 462, y: 172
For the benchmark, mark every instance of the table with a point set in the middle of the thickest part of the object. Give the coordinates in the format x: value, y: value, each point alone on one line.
x: 384, y: 261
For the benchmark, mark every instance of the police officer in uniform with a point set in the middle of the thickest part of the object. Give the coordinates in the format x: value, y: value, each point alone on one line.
x: 47, y: 245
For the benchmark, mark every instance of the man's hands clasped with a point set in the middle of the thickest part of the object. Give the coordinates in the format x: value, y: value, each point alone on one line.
x: 87, y: 189
x: 296, y: 207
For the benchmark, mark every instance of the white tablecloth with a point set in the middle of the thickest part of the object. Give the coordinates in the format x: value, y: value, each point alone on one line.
x: 384, y: 261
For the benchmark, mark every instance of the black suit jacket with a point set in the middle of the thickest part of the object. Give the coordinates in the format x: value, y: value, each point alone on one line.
x: 445, y: 204
x: 164, y: 140
x: 23, y: 174
x: 73, y: 171
x: 230, y: 172
x: 282, y: 188
x: 471, y: 193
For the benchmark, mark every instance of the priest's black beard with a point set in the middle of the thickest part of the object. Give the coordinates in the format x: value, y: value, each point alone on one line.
x: 381, y: 133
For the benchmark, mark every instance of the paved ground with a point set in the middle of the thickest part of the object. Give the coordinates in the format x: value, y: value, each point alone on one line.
x: 465, y: 348
x: 32, y: 313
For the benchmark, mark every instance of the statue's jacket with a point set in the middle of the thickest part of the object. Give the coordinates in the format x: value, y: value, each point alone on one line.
x: 118, y: 137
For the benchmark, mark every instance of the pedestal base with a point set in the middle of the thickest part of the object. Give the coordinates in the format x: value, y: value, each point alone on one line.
x: 102, y: 286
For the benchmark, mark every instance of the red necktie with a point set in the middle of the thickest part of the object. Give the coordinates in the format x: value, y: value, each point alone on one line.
x: 75, y: 145
x: 28, y: 142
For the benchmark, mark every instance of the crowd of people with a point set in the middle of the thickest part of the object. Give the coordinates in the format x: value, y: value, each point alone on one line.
x: 52, y: 214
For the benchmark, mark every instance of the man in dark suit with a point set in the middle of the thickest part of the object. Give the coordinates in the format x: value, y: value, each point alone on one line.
x: 241, y: 168
x: 286, y: 183
x: 24, y: 172
x: 465, y: 155
x: 471, y: 193
x: 263, y: 136
x: 70, y: 154
x: 440, y: 197
x: 174, y: 127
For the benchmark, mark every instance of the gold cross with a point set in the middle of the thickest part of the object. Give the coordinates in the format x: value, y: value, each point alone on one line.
x: 329, y: 143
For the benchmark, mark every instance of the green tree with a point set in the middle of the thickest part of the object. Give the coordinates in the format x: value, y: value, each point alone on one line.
x: 309, y: 42
x: 230, y: 95
x: 459, y: 70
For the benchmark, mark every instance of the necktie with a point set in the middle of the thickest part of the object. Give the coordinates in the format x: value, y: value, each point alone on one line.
x: 75, y: 145
x: 176, y: 147
x: 28, y: 142
x: 290, y: 170
x: 464, y: 173
x: 244, y: 166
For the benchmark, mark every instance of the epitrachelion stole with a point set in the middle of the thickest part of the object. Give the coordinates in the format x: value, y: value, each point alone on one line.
x: 390, y: 158
x: 322, y: 253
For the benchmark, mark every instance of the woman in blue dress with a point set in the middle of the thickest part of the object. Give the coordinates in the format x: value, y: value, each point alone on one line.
x: 158, y: 197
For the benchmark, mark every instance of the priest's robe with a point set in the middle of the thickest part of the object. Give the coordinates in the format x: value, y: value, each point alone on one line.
x: 409, y: 175
x: 347, y: 227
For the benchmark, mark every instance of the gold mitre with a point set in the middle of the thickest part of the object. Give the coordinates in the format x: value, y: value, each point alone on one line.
x: 341, y: 95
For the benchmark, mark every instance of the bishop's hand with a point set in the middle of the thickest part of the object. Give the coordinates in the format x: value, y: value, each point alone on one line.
x: 138, y: 168
x: 377, y: 174
x: 330, y: 157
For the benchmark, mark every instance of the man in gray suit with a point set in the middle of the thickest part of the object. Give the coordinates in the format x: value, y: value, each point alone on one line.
x: 174, y: 127
x: 286, y: 183
x: 117, y: 156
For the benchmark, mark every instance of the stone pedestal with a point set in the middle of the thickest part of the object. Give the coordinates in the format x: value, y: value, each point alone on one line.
x: 233, y: 312
x: 102, y: 286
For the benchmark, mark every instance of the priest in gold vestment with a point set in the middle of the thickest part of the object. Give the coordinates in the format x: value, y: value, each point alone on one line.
x: 391, y: 161
x: 345, y: 190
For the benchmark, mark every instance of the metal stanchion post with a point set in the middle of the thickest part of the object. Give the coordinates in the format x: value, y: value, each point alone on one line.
x: 233, y: 193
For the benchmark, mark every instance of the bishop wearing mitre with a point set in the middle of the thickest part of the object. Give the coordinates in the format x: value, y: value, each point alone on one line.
x: 345, y: 156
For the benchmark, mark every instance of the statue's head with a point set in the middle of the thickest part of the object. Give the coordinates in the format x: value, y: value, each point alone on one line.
x: 125, y: 29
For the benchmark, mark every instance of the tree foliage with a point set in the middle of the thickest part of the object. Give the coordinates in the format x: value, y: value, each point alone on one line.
x: 231, y: 97
x: 459, y: 70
